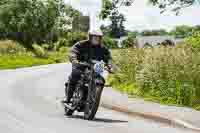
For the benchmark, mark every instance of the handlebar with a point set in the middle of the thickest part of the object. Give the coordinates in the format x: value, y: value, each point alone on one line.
x: 86, y: 64
x: 89, y: 64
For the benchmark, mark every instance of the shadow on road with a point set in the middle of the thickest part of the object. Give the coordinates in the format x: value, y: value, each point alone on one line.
x: 103, y: 120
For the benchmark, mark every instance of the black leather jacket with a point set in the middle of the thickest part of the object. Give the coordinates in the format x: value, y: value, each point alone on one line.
x: 83, y: 51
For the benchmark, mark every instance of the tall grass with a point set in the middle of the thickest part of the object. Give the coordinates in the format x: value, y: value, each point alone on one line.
x: 164, y: 74
x: 11, y: 47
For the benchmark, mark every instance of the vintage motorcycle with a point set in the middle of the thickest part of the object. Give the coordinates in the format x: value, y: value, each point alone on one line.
x: 87, y: 94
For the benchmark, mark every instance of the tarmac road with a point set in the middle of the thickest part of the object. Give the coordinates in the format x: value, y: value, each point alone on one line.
x: 30, y: 103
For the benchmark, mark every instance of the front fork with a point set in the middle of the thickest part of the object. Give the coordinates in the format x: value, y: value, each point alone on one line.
x: 92, y: 87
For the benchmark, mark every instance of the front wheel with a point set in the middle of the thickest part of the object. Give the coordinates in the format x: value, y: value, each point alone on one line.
x: 91, y: 109
x: 68, y: 112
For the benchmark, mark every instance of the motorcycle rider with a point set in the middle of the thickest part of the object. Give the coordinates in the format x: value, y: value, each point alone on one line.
x: 84, y: 51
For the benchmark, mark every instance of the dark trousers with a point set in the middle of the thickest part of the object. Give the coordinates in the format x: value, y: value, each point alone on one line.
x: 73, y: 80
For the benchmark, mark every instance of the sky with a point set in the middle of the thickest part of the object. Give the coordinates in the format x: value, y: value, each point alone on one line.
x: 141, y: 15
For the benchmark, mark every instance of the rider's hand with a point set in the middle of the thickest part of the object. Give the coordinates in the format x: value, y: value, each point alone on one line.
x: 110, y: 68
x: 75, y: 62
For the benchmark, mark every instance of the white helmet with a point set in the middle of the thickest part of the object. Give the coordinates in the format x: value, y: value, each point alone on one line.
x: 96, y: 32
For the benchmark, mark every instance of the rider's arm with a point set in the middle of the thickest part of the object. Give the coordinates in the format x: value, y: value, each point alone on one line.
x: 108, y: 58
x: 74, y: 53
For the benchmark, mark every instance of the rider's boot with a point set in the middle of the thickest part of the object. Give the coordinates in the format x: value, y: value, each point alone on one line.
x: 68, y: 92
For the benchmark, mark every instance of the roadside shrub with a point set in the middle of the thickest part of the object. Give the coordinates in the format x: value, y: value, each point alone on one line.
x: 63, y: 49
x: 109, y: 42
x: 130, y: 41
x: 194, y: 40
x: 11, y: 47
x: 39, y: 51
x: 62, y: 42
x: 45, y: 46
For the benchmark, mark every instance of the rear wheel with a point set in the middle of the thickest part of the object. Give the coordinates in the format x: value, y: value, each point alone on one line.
x: 91, y: 109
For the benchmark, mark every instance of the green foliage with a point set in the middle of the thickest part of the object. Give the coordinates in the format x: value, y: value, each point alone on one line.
x: 160, y: 32
x: 74, y: 37
x: 109, y: 42
x: 23, y: 60
x: 167, y: 75
x: 31, y: 21
x: 182, y: 31
x: 175, y: 5
x: 45, y: 46
x: 62, y: 42
x: 39, y: 51
x: 28, y: 59
x: 117, y: 25
x: 194, y: 40
x: 130, y: 41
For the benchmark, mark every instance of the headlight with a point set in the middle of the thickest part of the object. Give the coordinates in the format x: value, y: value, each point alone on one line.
x: 99, y: 68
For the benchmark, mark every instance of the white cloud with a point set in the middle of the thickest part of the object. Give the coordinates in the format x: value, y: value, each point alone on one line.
x: 86, y: 6
x: 141, y: 15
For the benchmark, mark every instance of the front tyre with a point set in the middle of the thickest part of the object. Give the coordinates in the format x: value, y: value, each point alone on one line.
x: 91, y: 109
x: 68, y: 112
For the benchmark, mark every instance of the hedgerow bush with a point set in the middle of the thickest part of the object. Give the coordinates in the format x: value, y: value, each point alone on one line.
x: 194, y: 40
x: 130, y: 41
x: 39, y: 51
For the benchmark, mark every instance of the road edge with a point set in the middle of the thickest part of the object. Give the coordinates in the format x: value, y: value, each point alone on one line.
x: 151, y: 116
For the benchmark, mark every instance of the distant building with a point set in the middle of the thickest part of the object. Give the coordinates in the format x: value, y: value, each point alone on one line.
x: 151, y: 41
x: 81, y: 23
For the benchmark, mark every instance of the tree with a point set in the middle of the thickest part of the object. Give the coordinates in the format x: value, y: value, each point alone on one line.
x: 33, y: 20
x: 130, y: 41
x: 182, y: 31
x: 110, y: 6
x: 117, y: 25
x: 194, y: 40
x: 106, y: 30
x: 174, y: 5
x: 160, y: 32
x: 196, y: 28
